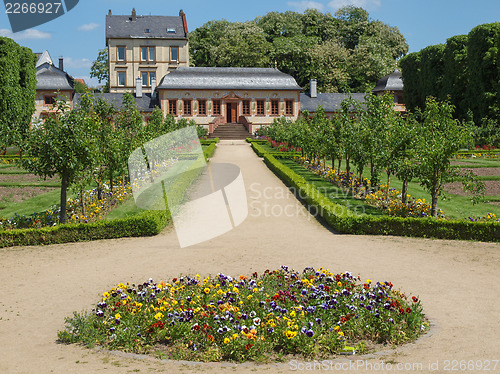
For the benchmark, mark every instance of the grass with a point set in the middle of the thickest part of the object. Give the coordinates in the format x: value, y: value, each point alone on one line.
x: 30, y: 184
x: 124, y: 210
x: 335, y: 194
x: 35, y: 204
x: 454, y: 206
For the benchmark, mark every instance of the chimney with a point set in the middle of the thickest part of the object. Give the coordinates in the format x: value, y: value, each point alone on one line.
x: 61, y: 63
x: 138, y: 87
x: 184, y: 22
x: 109, y: 13
x: 153, y: 87
x: 313, y: 91
x: 134, y: 15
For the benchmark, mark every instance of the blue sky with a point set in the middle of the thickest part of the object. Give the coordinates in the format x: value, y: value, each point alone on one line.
x: 79, y: 34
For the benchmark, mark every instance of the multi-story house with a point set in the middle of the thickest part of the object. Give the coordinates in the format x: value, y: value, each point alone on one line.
x: 53, y: 84
x: 145, y: 47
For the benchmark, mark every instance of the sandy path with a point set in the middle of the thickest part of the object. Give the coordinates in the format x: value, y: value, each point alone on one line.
x: 458, y: 282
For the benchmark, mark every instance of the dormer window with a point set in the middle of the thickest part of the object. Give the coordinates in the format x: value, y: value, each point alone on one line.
x: 171, y: 30
x: 147, y: 31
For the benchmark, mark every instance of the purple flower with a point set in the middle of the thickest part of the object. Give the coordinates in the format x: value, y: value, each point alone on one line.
x: 310, y: 333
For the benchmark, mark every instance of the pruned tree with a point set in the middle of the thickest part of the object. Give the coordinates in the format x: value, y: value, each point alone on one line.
x: 17, y: 92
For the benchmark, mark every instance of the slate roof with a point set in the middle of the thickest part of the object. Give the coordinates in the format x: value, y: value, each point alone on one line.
x: 391, y: 82
x: 331, y: 102
x: 125, y: 27
x: 210, y: 78
x: 51, y: 78
x: 143, y: 104
x: 44, y: 58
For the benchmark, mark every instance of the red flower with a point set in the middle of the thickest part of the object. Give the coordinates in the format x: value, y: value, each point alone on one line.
x: 415, y: 299
x: 211, y: 338
x: 248, y: 346
x: 408, y: 310
x: 402, y: 311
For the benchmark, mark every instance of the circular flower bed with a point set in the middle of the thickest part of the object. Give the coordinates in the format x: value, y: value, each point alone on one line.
x: 260, y: 317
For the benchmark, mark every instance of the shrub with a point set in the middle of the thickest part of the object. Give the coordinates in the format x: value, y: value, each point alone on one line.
x: 345, y: 221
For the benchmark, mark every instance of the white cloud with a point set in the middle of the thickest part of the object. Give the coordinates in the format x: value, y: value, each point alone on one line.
x: 24, y: 35
x: 78, y: 63
x: 300, y: 6
x: 88, y: 27
x: 366, y: 4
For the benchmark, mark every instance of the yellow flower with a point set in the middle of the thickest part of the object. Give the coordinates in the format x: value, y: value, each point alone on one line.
x: 105, y: 295
x: 236, y: 290
x: 290, y: 334
x: 368, y: 281
x: 292, y: 313
x: 255, y: 290
x: 206, y: 290
x: 249, y: 297
x: 159, y: 316
x: 226, y: 340
x: 118, y: 316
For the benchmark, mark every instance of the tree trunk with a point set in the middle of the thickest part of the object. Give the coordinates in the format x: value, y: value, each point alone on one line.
x: 111, y: 181
x: 404, y: 191
x: 434, y: 196
x: 82, y: 201
x: 64, y: 191
x: 99, y: 191
x: 340, y: 162
x: 347, y: 166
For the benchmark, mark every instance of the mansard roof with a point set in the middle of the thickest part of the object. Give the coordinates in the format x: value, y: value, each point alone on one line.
x: 391, y: 82
x: 51, y: 78
x: 331, y: 102
x: 143, y: 104
x: 217, y: 78
x: 163, y: 27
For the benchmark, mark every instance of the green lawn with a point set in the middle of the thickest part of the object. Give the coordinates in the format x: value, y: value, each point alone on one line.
x: 35, y: 204
x: 454, y: 206
x: 335, y: 194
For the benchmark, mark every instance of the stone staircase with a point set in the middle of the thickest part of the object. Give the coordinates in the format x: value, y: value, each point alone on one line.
x: 230, y: 131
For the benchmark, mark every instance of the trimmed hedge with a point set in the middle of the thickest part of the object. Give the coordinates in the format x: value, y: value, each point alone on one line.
x: 147, y: 223
x: 209, y: 141
x: 210, y: 150
x: 345, y: 221
x: 261, y: 151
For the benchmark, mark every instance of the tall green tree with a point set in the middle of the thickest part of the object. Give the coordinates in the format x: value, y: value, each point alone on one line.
x: 59, y: 146
x: 439, y: 138
x: 455, y: 79
x: 17, y: 92
x: 484, y: 72
x: 305, y: 45
x: 100, y: 68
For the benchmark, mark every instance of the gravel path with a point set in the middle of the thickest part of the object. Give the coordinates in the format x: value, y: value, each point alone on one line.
x: 458, y: 283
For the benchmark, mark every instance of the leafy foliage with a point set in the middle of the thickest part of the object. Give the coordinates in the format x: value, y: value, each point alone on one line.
x: 305, y: 45
x: 17, y: 91
x: 465, y: 70
x: 100, y: 68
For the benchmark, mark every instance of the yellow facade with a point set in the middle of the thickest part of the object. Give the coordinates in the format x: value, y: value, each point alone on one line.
x: 232, y: 105
x: 138, y: 58
x: 44, y: 100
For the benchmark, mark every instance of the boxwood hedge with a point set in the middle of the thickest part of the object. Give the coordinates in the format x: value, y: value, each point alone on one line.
x: 345, y: 221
